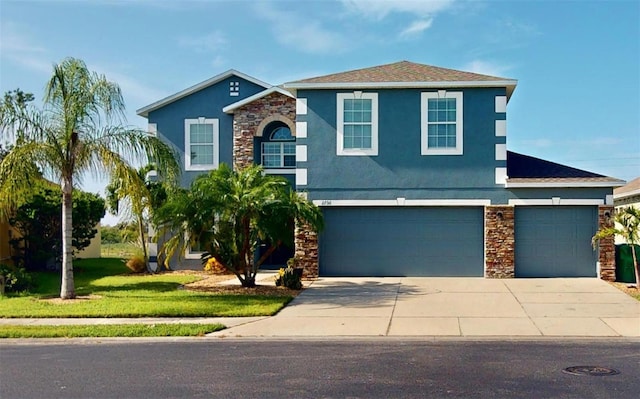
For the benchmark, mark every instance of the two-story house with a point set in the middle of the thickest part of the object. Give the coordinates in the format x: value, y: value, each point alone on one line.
x: 410, y: 166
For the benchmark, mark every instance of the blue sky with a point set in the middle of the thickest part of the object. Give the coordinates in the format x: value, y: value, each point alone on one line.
x: 577, y: 62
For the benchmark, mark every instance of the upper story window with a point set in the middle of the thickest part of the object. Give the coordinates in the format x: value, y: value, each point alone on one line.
x: 201, y: 145
x: 280, y: 150
x: 441, y: 123
x: 357, y: 123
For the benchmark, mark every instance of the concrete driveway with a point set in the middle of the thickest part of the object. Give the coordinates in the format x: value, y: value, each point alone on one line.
x: 562, y: 307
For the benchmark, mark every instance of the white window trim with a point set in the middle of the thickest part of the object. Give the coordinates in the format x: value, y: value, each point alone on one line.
x: 340, y: 150
x: 282, y: 154
x: 187, y: 144
x: 424, y: 120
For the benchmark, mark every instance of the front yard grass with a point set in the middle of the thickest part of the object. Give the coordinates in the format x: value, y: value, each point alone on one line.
x: 113, y: 330
x: 631, y: 291
x: 106, y: 288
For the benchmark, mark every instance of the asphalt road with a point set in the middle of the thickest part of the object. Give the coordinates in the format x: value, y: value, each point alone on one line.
x: 312, y: 369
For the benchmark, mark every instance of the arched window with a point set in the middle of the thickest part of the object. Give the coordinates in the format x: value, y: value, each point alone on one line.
x: 280, y: 150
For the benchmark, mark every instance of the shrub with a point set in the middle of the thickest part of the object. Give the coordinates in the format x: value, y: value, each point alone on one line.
x: 289, y: 278
x: 137, y: 264
x: 212, y: 265
x: 14, y: 279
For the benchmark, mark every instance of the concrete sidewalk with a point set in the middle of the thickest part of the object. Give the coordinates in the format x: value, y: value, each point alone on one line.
x: 562, y: 307
x: 429, y: 307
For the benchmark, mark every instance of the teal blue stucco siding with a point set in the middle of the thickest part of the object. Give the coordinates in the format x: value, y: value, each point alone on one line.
x: 399, y: 169
x: 206, y: 103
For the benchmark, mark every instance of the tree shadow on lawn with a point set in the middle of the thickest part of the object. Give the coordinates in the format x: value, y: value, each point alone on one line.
x: 361, y: 293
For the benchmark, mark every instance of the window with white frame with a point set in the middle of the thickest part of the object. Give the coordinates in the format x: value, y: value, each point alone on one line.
x: 357, y: 123
x: 280, y: 151
x: 201, y: 144
x: 441, y: 123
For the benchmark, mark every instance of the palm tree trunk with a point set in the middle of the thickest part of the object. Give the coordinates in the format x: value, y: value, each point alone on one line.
x: 636, y: 267
x: 142, y: 241
x: 67, y: 289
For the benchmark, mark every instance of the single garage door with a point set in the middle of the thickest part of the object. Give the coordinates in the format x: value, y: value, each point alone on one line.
x: 411, y: 241
x: 555, y: 241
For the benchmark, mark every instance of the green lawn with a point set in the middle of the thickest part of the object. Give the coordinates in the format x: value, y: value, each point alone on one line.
x: 113, y: 291
x: 120, y: 250
x: 113, y: 330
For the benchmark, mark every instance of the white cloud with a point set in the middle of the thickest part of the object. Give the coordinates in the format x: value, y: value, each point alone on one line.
x: 379, y: 9
x: 310, y: 37
x: 486, y: 68
x: 417, y: 27
x: 18, y: 47
x: 211, y: 42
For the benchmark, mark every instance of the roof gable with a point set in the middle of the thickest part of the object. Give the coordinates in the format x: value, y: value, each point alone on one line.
x: 229, y: 109
x: 404, y: 74
x: 144, y: 111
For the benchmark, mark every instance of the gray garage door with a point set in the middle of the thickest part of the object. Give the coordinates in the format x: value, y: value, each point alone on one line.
x: 441, y: 241
x: 555, y: 241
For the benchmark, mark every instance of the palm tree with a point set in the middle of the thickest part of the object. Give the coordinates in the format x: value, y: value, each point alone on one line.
x: 229, y: 213
x: 627, y: 225
x: 143, y: 198
x: 78, y: 131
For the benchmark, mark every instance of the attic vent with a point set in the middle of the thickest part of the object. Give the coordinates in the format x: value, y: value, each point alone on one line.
x: 234, y: 89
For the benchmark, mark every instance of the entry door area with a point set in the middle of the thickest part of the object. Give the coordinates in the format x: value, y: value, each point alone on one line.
x: 555, y: 241
x: 402, y: 241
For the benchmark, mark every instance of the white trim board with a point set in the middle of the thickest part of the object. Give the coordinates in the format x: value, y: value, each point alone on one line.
x: 557, y: 202
x: 229, y: 109
x: 509, y: 84
x: 561, y: 184
x: 404, y: 202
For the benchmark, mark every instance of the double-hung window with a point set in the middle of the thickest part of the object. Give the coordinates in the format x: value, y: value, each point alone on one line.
x: 441, y: 123
x: 280, y: 151
x: 357, y: 123
x: 202, y: 151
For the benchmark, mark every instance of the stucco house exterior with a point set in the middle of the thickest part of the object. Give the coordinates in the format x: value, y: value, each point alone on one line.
x: 410, y: 166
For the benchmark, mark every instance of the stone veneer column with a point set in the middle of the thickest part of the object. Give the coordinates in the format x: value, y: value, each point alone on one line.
x: 306, y: 254
x: 249, y: 119
x: 606, y: 246
x: 499, y: 235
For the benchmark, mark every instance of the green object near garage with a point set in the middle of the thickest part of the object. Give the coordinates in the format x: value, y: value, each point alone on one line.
x: 624, y: 263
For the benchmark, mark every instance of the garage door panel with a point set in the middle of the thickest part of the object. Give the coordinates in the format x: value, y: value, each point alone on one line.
x: 555, y: 241
x: 402, y: 242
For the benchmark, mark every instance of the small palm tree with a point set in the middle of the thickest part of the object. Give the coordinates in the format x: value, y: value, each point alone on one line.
x: 77, y: 131
x: 229, y: 213
x: 628, y: 219
x: 143, y: 197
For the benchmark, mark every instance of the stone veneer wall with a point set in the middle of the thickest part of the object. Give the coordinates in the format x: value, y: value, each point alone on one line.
x: 499, y: 233
x: 250, y: 119
x: 606, y: 246
x: 306, y: 244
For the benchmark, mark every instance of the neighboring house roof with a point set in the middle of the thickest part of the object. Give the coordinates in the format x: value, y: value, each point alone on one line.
x: 229, y: 109
x: 527, y: 171
x: 144, y: 111
x: 628, y: 193
x: 403, y: 74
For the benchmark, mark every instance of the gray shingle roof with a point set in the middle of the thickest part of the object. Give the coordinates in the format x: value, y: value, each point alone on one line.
x: 403, y: 71
x: 527, y: 169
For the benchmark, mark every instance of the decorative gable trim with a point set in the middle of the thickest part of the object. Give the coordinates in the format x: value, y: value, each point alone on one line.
x: 144, y: 111
x: 229, y: 109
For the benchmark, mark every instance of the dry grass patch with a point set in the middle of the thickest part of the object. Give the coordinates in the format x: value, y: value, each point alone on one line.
x: 628, y: 289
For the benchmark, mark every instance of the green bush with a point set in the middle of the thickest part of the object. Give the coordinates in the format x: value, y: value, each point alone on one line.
x: 14, y: 279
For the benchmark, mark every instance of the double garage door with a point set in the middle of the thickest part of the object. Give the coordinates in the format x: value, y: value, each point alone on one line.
x: 449, y: 241
x: 406, y: 241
